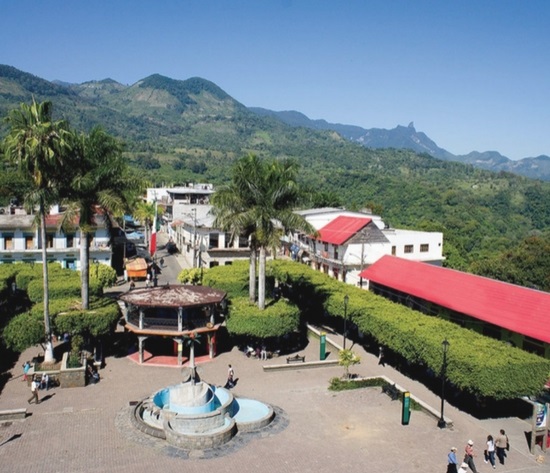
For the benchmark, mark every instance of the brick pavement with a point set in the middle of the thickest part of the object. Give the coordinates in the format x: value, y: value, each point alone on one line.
x: 83, y: 429
x: 87, y: 429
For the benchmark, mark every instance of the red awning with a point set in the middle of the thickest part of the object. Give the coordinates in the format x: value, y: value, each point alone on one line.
x: 515, y: 308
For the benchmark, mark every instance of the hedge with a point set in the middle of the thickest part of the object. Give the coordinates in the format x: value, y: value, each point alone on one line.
x: 480, y: 365
x: 277, y: 319
x: 27, y: 329
x: 232, y: 279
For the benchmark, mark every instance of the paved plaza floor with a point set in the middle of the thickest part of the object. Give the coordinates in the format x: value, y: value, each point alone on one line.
x: 88, y: 430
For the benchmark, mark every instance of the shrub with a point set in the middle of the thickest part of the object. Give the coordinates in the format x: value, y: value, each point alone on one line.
x: 277, y: 319
x: 102, y: 276
x: 476, y: 364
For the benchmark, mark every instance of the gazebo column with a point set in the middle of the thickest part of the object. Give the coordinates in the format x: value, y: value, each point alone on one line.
x: 211, y: 340
x: 179, y: 341
x: 140, y: 347
x: 141, y: 316
x: 212, y: 312
x: 180, y: 320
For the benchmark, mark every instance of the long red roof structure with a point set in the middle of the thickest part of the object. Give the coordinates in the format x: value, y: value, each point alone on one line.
x: 341, y: 229
x: 515, y: 308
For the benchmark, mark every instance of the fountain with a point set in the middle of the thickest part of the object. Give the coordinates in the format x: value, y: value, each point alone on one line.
x: 196, y: 415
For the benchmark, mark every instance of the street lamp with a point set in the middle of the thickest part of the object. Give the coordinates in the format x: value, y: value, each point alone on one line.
x: 441, y: 422
x: 346, y: 300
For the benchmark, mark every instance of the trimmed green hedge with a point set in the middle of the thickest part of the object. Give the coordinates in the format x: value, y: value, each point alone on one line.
x: 480, y: 365
x: 232, y: 279
x: 277, y: 319
x: 27, y: 329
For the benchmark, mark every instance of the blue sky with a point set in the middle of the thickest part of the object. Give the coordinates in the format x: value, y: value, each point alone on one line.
x: 472, y: 75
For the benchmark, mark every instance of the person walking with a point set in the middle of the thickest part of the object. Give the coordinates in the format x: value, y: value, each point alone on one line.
x: 452, y: 463
x: 230, y: 377
x: 34, y: 391
x: 490, y: 451
x: 469, y: 456
x: 26, y: 368
x: 381, y: 356
x: 501, y: 445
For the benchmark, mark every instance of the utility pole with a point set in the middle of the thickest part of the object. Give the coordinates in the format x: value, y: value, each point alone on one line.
x: 194, y: 211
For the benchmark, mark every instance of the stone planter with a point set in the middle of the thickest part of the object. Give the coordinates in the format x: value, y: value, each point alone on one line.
x: 71, y: 377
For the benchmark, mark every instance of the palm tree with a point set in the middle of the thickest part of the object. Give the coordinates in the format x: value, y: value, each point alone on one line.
x: 100, y: 185
x: 145, y: 213
x: 259, y: 203
x: 40, y: 147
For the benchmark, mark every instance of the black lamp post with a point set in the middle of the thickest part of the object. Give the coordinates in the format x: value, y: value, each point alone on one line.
x: 441, y: 422
x: 346, y: 300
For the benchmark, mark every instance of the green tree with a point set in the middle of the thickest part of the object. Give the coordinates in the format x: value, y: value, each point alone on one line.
x: 259, y: 203
x: 101, y: 185
x: 145, y: 213
x: 40, y: 147
x: 347, y: 358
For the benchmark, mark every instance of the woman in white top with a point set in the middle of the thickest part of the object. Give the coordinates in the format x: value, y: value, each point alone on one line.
x: 490, y: 451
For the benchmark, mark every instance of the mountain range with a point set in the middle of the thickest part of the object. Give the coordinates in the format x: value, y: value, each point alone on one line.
x: 162, y: 114
x: 406, y: 137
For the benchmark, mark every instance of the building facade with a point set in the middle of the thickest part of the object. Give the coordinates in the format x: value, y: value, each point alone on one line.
x: 348, y: 242
x: 20, y: 240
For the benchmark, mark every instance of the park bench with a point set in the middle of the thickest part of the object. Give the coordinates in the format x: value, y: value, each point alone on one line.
x: 295, y: 359
x: 392, y: 391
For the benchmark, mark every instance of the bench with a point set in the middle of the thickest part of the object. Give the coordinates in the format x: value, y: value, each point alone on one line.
x: 12, y: 414
x: 295, y: 359
x: 392, y: 391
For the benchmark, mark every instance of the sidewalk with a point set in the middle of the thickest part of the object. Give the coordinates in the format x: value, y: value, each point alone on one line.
x: 87, y: 429
x: 82, y: 429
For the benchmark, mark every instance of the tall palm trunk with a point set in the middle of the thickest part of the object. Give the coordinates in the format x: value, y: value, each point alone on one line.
x: 261, y: 279
x: 48, y: 350
x: 85, y: 268
x: 252, y: 275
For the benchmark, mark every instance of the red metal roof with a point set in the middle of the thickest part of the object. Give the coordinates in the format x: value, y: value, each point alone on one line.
x: 515, y: 308
x: 341, y: 229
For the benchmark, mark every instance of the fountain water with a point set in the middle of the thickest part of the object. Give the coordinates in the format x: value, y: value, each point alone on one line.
x: 197, y: 415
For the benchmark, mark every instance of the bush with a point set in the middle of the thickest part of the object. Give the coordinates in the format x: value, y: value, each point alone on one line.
x: 232, y: 279
x: 102, y: 276
x: 277, y: 319
x: 23, y: 331
x: 191, y: 276
x: 476, y: 364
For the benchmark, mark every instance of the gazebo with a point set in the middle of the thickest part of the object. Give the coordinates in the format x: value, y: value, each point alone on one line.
x: 179, y: 312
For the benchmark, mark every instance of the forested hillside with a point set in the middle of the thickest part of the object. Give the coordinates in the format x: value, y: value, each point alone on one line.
x: 192, y: 131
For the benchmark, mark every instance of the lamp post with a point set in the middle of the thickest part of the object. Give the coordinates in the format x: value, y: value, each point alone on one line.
x: 346, y: 300
x: 441, y: 422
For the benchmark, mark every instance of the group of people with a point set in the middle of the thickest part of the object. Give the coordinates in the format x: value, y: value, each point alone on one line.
x: 498, y: 447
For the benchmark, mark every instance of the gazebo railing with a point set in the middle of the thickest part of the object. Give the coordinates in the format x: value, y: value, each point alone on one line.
x: 167, y: 323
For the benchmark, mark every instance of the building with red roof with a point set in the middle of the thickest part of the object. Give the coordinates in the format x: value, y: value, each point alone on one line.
x: 348, y: 242
x: 501, y: 310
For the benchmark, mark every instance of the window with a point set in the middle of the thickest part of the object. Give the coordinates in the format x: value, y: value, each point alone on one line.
x: 70, y: 241
x: 326, y: 247
x: 29, y: 242
x: 409, y: 248
x: 335, y: 251
x: 424, y: 248
x: 243, y: 242
x: 393, y: 250
x: 214, y: 240
x: 8, y: 242
x: 49, y: 240
x: 228, y: 240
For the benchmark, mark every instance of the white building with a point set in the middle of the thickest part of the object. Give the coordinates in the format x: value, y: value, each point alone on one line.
x: 20, y: 240
x: 204, y: 246
x: 348, y: 242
